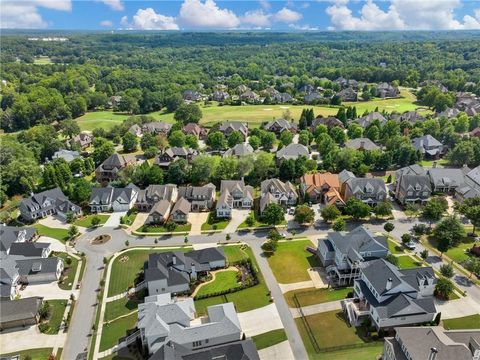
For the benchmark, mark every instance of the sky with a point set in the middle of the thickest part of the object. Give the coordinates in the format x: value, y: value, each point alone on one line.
x: 303, y: 15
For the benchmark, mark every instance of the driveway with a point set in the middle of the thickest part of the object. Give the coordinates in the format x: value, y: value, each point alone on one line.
x: 260, y: 320
x: 281, y: 351
x: 114, y: 219
x: 29, y: 338
x: 48, y: 291
x: 397, y: 211
x: 238, y: 217
x: 450, y: 202
x: 55, y: 245
x: 457, y: 308
x: 139, y: 221
x: 197, y: 220
x: 54, y: 222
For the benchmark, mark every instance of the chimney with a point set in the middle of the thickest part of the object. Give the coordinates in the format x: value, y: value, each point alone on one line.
x: 433, y: 353
x: 362, y: 144
x: 174, y: 259
x: 193, y: 274
x: 389, y: 284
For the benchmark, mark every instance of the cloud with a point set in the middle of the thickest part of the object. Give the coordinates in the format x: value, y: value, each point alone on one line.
x: 265, y: 4
x: 287, y: 16
x: 116, y: 5
x: 148, y: 19
x: 257, y: 18
x: 304, y: 27
x: 207, y: 14
x: 25, y: 15
x: 401, y: 15
x: 106, y: 23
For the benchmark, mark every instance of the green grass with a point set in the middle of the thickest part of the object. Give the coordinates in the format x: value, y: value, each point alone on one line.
x: 123, y: 306
x: 235, y: 253
x: 224, y: 280
x: 339, y: 332
x: 270, y: 338
x: 258, y: 222
x: 70, y: 270
x: 395, y: 248
x: 291, y: 261
x: 59, y: 234
x: 130, y: 218
x: 57, y: 309
x: 42, y: 60
x: 108, y: 119
x: 407, y: 262
x: 161, y: 229
x: 312, y: 296
x: 466, y: 322
x: 86, y: 221
x: 214, y: 224
x: 363, y: 353
x: 429, y: 163
x: 112, y: 332
x: 124, y: 273
x: 34, y: 354
x: 456, y: 253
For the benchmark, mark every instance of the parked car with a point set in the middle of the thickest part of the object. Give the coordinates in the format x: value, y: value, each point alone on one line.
x: 410, y: 245
x: 291, y: 211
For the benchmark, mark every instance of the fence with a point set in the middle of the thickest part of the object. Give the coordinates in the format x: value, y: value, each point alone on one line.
x: 310, y: 333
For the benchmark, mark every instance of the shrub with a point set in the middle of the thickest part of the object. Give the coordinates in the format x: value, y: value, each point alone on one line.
x: 44, y: 327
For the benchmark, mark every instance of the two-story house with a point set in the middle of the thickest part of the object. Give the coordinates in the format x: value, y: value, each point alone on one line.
x: 278, y: 192
x: 159, y: 213
x: 81, y: 141
x: 386, y: 90
x: 166, y: 157
x: 110, y: 198
x: 447, y: 180
x: 195, y: 130
x: 156, y: 128
x: 390, y: 297
x: 49, y: 202
x: 361, y: 144
x: 370, y: 118
x: 292, y: 151
x: 228, y: 127
x: 411, y: 189
x: 153, y: 194
x: 201, y: 198
x: 109, y: 169
x: 370, y: 191
x: 329, y: 122
x: 428, y: 146
x: 234, y: 194
x: 280, y: 125
x: 343, y: 253
x: 239, y: 150
x: 323, y: 188
x: 180, y: 211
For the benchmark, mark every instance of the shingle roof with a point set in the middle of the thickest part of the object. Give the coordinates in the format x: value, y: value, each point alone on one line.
x: 28, y: 249
x: 239, y: 150
x: 415, y: 182
x: 292, y: 151
x: 37, y: 266
x: 361, y: 144
x: 11, y: 234
x: 162, y: 207
x: 182, y: 205
x: 366, y: 185
x: 447, y: 177
x: 21, y: 309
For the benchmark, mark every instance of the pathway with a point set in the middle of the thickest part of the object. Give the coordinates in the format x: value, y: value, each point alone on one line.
x: 138, y: 222
x: 49, y: 291
x: 317, y: 308
x: 261, y: 320
x: 281, y: 351
x: 114, y: 219
x: 296, y: 286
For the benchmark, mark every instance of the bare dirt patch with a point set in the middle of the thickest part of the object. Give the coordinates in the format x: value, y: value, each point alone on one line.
x: 101, y: 239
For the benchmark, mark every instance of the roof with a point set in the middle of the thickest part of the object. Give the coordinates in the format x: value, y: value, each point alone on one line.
x: 316, y: 181
x: 164, y: 192
x: 21, y: 309
x: 37, y: 266
x: 292, y: 151
x: 235, y: 186
x: 114, y: 161
x: 366, y: 185
x: 234, y: 125
x: 344, y: 175
x: 239, y: 150
x: 156, y: 126
x: 270, y: 185
x: 427, y: 144
x: 182, y: 205
x: 67, y: 155
x: 329, y: 122
x: 53, y: 196
x: 366, y: 120
x: 447, y: 177
x: 195, y: 192
x: 361, y: 144
x: 414, y: 169
x: 474, y: 175
x: 415, y: 182
x: 11, y: 234
x: 28, y: 249
x: 240, y: 350
x: 267, y: 199
x: 281, y: 123
x: 162, y: 208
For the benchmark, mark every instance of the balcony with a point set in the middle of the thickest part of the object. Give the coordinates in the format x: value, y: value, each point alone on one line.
x: 357, y: 310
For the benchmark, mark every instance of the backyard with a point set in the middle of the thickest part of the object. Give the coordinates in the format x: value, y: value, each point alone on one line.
x: 312, y: 296
x: 466, y: 322
x: 114, y: 331
x: 224, y: 280
x: 291, y: 260
x: 86, y: 221
x: 108, y: 119
x: 55, y: 233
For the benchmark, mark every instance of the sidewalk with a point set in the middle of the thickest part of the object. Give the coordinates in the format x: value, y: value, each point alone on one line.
x: 317, y: 308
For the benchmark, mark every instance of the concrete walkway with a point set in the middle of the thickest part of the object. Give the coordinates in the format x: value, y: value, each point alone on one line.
x: 317, y: 308
x: 259, y: 321
x: 317, y: 279
x: 139, y: 221
x: 56, y: 245
x: 54, y: 222
x: 114, y: 219
x: 296, y: 286
x: 281, y: 351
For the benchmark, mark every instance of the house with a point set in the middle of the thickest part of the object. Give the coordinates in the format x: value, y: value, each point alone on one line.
x: 292, y: 151
x: 414, y: 169
x: 432, y: 343
x: 447, y: 180
x: 153, y: 194
x: 280, y: 125
x: 168, y: 329
x: 282, y: 98
x: 109, y: 169
x: 159, y: 212
x: 136, y: 130
x: 191, y: 95
x: 240, y: 89
x: 390, y: 297
x: 475, y: 132
x: 312, y: 98
x: 39, y: 270
x: 366, y: 120
x: 249, y: 96
x: 82, y: 140
x: 411, y: 189
x: 49, y: 202
x: 278, y: 192
x: 20, y: 313
x: 471, y: 186
x: 67, y: 155
x: 114, y: 102
x: 410, y: 116
x: 428, y: 146
x: 448, y: 113
x: 9, y: 277
x: 307, y: 89
x: 239, y: 150
x: 370, y: 191
x: 344, y: 253
x: 345, y: 83
x: 473, y: 110
x: 156, y: 128
x: 348, y: 94
x: 220, y: 96
x: 195, y: 130
x: 172, y: 272
x: 329, y: 122
x: 166, y: 157
x: 116, y: 199
x: 11, y: 234
x: 362, y: 144
x: 180, y: 211
x: 386, y: 90
x: 234, y: 194
x: 323, y: 188
x: 228, y: 127
x: 30, y: 249
x: 201, y: 198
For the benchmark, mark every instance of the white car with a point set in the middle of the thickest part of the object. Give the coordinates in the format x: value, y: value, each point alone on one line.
x: 410, y: 245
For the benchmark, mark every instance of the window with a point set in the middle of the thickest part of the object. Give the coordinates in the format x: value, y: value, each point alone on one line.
x: 197, y: 343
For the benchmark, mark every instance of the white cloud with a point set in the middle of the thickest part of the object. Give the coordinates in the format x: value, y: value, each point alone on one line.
x: 303, y: 27
x: 257, y: 18
x: 106, y: 23
x: 148, y: 19
x: 401, y: 15
x: 287, y: 16
x: 265, y: 4
x: 25, y: 15
x: 207, y: 14
x: 116, y: 5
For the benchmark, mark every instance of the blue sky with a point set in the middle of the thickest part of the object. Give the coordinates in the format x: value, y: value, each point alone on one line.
x: 237, y: 14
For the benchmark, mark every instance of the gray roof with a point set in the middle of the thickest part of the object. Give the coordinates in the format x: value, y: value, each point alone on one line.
x: 107, y: 195
x: 415, y: 182
x: 447, y: 177
x: 114, y: 161
x: 193, y: 192
x: 474, y: 175
x: 234, y: 125
x: 182, y: 205
x: 282, y: 123
x: 292, y: 151
x: 8, y: 273
x: 55, y: 196
x: 344, y: 175
x: 28, y: 249
x: 11, y: 234
x: 329, y: 122
x: 165, y: 192
x: 277, y: 184
x: 448, y: 113
x: 67, y: 155
x: 156, y: 126
x: 410, y: 116
x: 414, y: 169
x: 366, y: 185
x: 175, y: 151
x: 162, y: 207
x: 361, y: 144
x: 267, y: 199
x: 37, y: 266
x: 428, y: 144
x: 21, y: 309
x: 366, y: 120
x: 239, y: 150
x: 240, y: 350
x: 234, y: 186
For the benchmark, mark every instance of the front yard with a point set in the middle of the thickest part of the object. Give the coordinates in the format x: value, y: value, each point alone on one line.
x: 258, y: 222
x: 395, y: 249
x: 55, y: 233
x: 152, y: 229
x: 33, y: 354
x: 458, y: 253
x: 408, y: 262
x: 370, y: 352
x: 123, y: 306
x: 214, y: 223
x: 68, y: 275
x: 291, y: 260
x: 312, y: 296
x: 57, y: 309
x: 270, y: 338
x: 466, y: 322
x: 114, y: 331
x: 86, y: 221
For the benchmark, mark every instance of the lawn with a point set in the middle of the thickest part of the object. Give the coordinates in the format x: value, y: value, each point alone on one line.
x: 429, y: 163
x: 123, y: 306
x: 235, y: 253
x: 213, y: 223
x: 108, y: 119
x: 258, y: 222
x: 338, y: 334
x: 270, y: 338
x: 407, y: 262
x: 224, y: 280
x: 395, y: 248
x: 86, y: 221
x: 362, y: 353
x: 59, y: 234
x: 66, y: 282
x: 467, y: 322
x: 162, y: 229
x: 291, y: 261
x: 57, y: 309
x: 312, y: 296
x: 42, y: 60
x: 115, y: 330
x: 130, y: 218
x: 32, y: 354
x: 126, y: 267
x: 456, y: 253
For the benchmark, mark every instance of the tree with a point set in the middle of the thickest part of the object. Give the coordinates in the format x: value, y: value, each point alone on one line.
x: 95, y: 221
x: 173, y: 102
x: 188, y: 113
x: 72, y: 232
x: 447, y: 270
x: 191, y: 141
x: 434, y: 209
x: 250, y: 220
x: 304, y: 137
x: 148, y: 140
x: 470, y: 208
x: 273, y: 214
x: 330, y: 213
x: 177, y: 138
x: 473, y: 265
x: 70, y: 217
x: 269, y: 247
x: 392, y: 259
x: 383, y: 209
x: 150, y: 152
x: 235, y: 138
x: 424, y: 254
x: 254, y: 142
x: 216, y: 140
x: 103, y: 152
x: 444, y: 288
x: 339, y: 225
x: 338, y: 135
x: 129, y: 142
x: 267, y: 140
x: 448, y: 233
x: 388, y: 227
x: 70, y: 128
x: 357, y: 209
x: 286, y: 138
x: 304, y: 215
x: 406, y: 238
